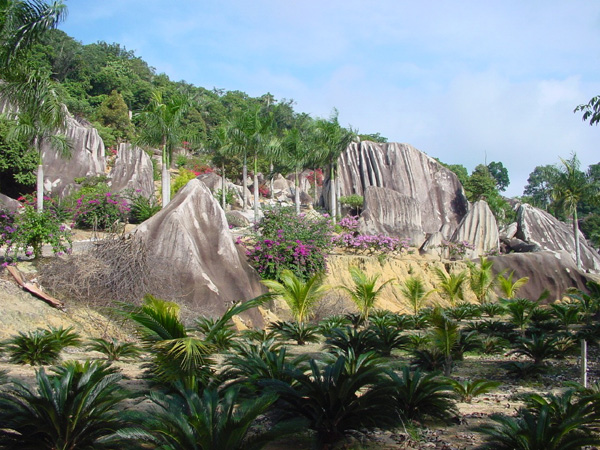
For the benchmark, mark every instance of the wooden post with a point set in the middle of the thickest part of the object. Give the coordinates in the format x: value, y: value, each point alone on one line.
x: 584, y: 362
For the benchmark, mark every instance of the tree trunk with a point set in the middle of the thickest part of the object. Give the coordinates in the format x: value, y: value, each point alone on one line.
x: 40, y: 187
x: 338, y: 205
x: 296, y: 193
x: 165, y: 178
x: 223, y: 194
x: 244, y: 183
x: 271, y: 181
x: 332, y: 208
x: 315, y: 200
x: 576, y: 236
x: 255, y: 185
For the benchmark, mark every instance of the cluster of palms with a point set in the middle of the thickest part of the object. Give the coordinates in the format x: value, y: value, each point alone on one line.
x: 376, y: 369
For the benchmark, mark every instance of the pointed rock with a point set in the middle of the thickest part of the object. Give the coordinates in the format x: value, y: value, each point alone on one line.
x: 192, y: 237
x: 479, y: 229
x: 132, y: 170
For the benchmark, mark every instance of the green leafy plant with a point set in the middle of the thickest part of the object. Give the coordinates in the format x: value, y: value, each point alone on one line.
x: 78, y: 407
x: 467, y: 390
x: 353, y: 201
x: 363, y: 292
x: 350, y: 339
x: 539, y: 348
x: 229, y: 195
x: 451, y: 286
x: 30, y: 229
x: 113, y: 349
x: 142, y: 208
x: 418, y: 396
x: 300, y: 332
x: 40, y: 347
x: 482, y: 279
x: 181, y: 180
x: 413, y: 290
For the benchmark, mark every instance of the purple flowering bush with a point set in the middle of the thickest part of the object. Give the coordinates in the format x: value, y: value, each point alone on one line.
x: 100, y: 210
x: 27, y: 230
x: 285, y: 240
x: 456, y: 250
x: 370, y: 243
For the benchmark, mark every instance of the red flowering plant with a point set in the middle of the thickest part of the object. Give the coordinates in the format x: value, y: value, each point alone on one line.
x: 100, y: 210
x: 285, y: 240
x: 315, y: 175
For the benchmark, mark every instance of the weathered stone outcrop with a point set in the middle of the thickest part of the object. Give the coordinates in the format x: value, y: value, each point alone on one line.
x: 214, y: 183
x: 87, y: 158
x: 388, y: 212
x: 479, y: 229
x: 192, y: 237
x: 555, y: 271
x: 536, y: 226
x: 9, y: 204
x: 132, y: 170
x: 406, y: 170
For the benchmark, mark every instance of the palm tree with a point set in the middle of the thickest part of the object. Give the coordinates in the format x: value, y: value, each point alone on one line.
x: 297, y: 148
x: 76, y: 408
x: 363, y: 293
x: 333, y: 139
x: 219, y: 145
x: 571, y: 187
x: 23, y: 24
x: 413, y: 289
x: 161, y: 125
x: 300, y: 296
x: 451, y: 285
x: 481, y: 278
x: 508, y: 287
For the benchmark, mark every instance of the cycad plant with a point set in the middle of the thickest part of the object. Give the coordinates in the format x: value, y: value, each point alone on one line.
x: 187, y: 420
x: 349, y: 394
x: 363, y: 293
x: 444, y: 336
x: 41, y: 346
x: 509, y: 288
x: 350, y: 339
x: 539, y: 348
x: 301, y: 296
x: 77, y: 408
x: 467, y: 390
x: 519, y: 310
x: 451, y: 286
x: 482, y: 279
x: 414, y: 291
x: 300, y: 332
x: 419, y: 395
x: 113, y: 349
x: 567, y: 314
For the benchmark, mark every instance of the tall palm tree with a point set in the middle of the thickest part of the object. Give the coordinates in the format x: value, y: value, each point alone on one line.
x: 300, y: 296
x: 413, y: 289
x: 363, y: 293
x: 161, y: 125
x: 296, y: 151
x: 219, y: 145
x: 570, y: 188
x: 333, y: 139
x: 22, y: 24
x: 451, y: 285
x: 250, y: 133
x: 40, y: 118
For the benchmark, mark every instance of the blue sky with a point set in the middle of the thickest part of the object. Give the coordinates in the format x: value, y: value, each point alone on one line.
x: 464, y: 81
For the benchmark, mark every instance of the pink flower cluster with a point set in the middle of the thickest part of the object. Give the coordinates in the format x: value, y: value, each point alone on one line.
x: 370, y: 243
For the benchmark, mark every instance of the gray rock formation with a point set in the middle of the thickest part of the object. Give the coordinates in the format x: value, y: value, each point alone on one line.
x: 388, y: 212
x: 536, y: 226
x: 214, y: 183
x: 191, y: 235
x: 479, y: 229
x: 555, y: 271
x: 403, y: 168
x: 87, y: 158
x: 433, y: 244
x: 132, y: 170
x: 9, y: 204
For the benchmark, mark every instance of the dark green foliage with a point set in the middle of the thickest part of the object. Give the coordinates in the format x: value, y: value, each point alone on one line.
x: 491, y: 345
x: 469, y: 389
x: 76, y: 408
x: 300, y: 332
x: 557, y: 423
x: 113, y: 349
x: 463, y: 311
x: 429, y: 359
x: 539, y: 348
x: 352, y: 340
x: 142, y: 208
x: 331, y: 322
x: 212, y: 420
x: 418, y: 396
x: 387, y: 336
x: 500, y: 175
x: 492, y: 309
x: 350, y: 394
x: 523, y: 369
x: 40, y: 347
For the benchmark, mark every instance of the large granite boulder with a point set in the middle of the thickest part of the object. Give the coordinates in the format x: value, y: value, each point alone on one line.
x: 86, y: 159
x: 406, y: 170
x: 536, y: 226
x: 555, y: 271
x: 388, y: 212
x: 192, y: 237
x: 132, y: 171
x: 215, y: 183
x: 479, y: 229
x: 9, y: 204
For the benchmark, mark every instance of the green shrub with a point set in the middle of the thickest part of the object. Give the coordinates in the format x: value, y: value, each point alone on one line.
x: 354, y: 201
x: 113, y: 349
x: 41, y: 346
x: 181, y: 180
x: 142, y: 208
